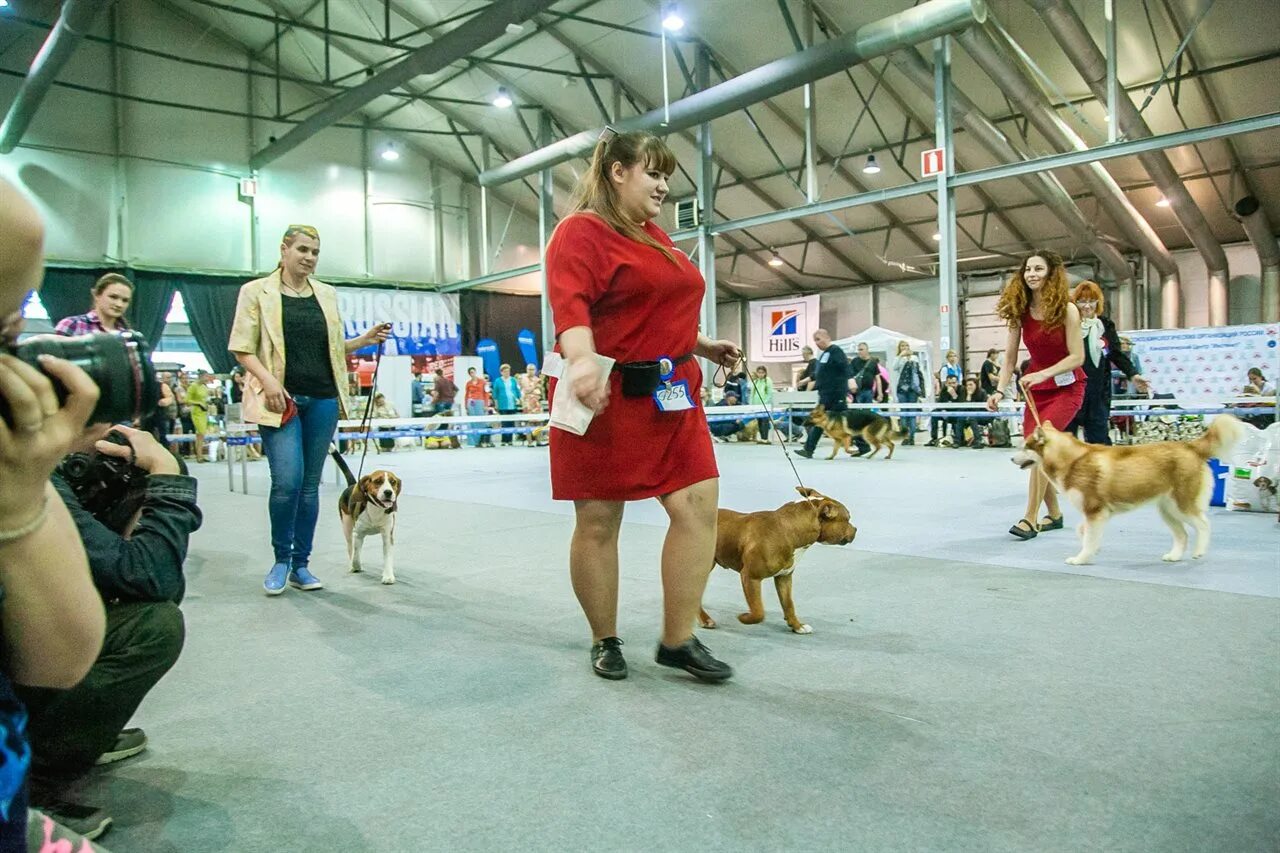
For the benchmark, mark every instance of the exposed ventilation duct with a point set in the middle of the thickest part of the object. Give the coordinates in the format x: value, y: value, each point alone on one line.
x: 74, y: 21
x: 998, y: 65
x: 1044, y: 185
x: 1257, y: 226
x: 1084, y: 54
x: 920, y: 23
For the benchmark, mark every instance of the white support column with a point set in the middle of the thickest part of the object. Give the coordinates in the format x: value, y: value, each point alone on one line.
x: 1113, y: 72
x: 810, y: 118
x: 484, y: 210
x: 546, y: 222
x: 437, y: 221
x: 948, y: 303
x: 366, y: 146
x: 706, y: 203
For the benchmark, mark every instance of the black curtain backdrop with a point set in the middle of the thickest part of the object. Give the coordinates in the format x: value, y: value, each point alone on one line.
x: 152, y: 299
x: 211, y: 308
x: 66, y: 292
x: 499, y: 316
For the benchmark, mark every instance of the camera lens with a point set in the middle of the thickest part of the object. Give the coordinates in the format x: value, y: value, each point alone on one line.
x: 119, y: 364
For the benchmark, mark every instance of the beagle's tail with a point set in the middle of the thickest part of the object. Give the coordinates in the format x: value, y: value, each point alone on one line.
x: 342, y: 465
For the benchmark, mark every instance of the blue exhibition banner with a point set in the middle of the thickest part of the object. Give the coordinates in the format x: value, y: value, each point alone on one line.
x: 528, y: 347
x: 487, y: 349
x: 422, y: 323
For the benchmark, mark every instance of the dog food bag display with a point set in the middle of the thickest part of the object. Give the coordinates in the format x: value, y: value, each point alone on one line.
x: 1254, y: 471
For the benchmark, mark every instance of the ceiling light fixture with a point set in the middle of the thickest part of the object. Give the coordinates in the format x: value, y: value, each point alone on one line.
x: 1163, y: 202
x: 775, y: 260
x: 671, y: 19
x: 502, y: 100
x: 390, y: 154
x: 872, y: 167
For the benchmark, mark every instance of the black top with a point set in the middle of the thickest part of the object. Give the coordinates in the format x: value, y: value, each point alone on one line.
x: 864, y: 370
x: 306, y: 346
x: 832, y: 376
x: 989, y: 376
x: 810, y: 370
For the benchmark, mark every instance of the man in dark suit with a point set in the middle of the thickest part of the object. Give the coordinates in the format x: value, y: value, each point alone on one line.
x: 832, y: 383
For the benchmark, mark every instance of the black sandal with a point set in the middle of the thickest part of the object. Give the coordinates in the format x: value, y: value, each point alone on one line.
x: 1054, y: 523
x: 1029, y: 533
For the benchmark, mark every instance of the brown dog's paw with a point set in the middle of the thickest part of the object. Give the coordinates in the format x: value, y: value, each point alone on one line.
x: 750, y: 618
x: 706, y: 622
x: 801, y: 629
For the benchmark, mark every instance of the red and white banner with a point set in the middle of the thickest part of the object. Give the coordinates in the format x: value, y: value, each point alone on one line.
x: 780, y: 328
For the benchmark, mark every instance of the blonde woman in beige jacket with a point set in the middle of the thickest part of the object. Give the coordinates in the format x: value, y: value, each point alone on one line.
x: 295, y: 401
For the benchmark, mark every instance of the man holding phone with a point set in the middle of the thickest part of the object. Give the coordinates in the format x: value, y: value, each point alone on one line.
x: 297, y: 401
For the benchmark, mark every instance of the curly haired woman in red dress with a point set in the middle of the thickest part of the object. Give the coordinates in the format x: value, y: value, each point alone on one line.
x: 618, y: 286
x: 1036, y: 303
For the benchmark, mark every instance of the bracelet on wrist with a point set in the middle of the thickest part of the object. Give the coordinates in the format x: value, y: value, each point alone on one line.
x: 7, y: 536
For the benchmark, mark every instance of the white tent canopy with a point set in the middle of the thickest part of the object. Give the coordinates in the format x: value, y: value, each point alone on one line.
x: 883, y: 344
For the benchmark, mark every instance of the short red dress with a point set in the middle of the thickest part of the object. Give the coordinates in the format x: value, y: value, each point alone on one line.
x: 1056, y: 403
x: 640, y: 307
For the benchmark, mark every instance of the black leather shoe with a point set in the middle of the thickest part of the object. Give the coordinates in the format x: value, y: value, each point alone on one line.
x: 804, y: 454
x: 695, y: 659
x: 607, y: 660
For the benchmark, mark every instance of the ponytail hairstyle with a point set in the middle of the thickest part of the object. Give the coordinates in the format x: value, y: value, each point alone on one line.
x: 595, y: 191
x: 1054, y: 293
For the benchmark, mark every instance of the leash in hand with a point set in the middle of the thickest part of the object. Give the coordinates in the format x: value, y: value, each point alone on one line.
x: 352, y: 479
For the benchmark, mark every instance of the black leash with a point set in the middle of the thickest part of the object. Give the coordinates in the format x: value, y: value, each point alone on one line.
x: 352, y: 479
x: 768, y: 410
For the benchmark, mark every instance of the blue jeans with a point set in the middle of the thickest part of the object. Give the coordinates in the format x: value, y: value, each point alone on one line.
x: 908, y: 421
x: 477, y: 407
x: 296, y: 453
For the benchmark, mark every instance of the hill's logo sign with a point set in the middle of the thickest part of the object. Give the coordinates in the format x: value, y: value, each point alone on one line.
x: 780, y: 328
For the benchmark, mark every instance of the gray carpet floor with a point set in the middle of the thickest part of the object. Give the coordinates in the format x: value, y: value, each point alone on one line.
x: 961, y: 691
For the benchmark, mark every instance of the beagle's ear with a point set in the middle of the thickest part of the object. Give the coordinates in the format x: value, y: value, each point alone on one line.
x: 395, y: 482
x: 363, y: 486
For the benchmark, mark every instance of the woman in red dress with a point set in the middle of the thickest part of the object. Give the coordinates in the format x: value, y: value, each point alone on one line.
x: 618, y: 286
x: 1037, y: 306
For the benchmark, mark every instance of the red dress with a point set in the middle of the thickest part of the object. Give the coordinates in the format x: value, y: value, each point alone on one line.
x: 640, y: 307
x: 1056, y: 403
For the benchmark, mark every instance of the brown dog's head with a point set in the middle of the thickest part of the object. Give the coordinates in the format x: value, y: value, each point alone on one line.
x: 818, y: 417
x: 1034, y: 447
x: 1264, y: 484
x: 380, y: 487
x: 834, y: 526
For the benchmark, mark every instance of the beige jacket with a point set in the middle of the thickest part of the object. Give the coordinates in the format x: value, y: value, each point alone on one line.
x: 259, y: 329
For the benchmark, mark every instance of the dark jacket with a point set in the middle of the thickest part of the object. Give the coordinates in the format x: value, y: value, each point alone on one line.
x: 833, y: 377
x: 147, y: 566
x: 1096, y: 373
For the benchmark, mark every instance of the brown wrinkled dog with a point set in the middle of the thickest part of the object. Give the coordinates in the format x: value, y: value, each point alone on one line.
x: 761, y: 545
x: 841, y: 427
x: 1100, y: 480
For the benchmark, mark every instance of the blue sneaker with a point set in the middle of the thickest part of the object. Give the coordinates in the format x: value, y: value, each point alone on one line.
x: 274, y: 584
x: 301, y: 578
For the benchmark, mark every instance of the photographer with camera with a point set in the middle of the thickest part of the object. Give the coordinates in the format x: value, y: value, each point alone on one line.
x: 135, y: 509
x: 51, y: 619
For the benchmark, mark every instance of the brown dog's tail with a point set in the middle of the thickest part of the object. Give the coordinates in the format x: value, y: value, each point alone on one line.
x: 1224, y: 433
x: 342, y: 465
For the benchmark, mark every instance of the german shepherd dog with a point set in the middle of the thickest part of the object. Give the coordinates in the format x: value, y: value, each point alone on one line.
x: 841, y: 427
x: 1100, y: 480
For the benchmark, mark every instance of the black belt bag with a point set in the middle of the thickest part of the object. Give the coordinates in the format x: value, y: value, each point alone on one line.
x: 642, y: 378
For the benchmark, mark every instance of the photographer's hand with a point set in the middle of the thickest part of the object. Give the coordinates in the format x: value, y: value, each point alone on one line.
x: 151, y: 455
x: 39, y: 431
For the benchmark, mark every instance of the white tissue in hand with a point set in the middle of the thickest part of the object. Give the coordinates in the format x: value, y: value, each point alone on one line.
x: 567, y: 411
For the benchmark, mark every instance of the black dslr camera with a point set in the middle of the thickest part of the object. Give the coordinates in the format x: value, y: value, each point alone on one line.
x: 119, y: 364
x: 110, y: 488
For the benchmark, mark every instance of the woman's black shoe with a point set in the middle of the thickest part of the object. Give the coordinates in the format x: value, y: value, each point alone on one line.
x: 606, y: 659
x: 695, y: 659
x: 1028, y: 532
x: 1053, y: 523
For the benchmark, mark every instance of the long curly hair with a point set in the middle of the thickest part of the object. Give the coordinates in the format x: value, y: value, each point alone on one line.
x: 1015, y: 300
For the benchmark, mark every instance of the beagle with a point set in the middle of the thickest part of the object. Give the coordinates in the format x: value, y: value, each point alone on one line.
x: 366, y: 507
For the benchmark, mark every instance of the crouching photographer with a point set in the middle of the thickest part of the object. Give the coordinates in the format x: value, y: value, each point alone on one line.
x: 134, y: 508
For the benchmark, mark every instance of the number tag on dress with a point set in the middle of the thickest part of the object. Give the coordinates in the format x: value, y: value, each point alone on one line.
x: 1062, y: 380
x: 673, y: 397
